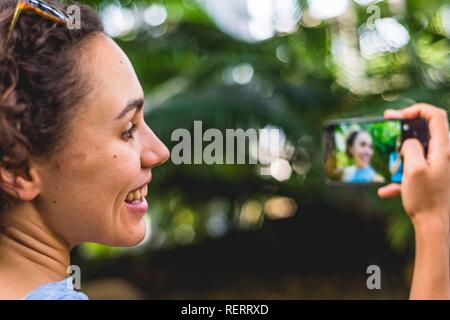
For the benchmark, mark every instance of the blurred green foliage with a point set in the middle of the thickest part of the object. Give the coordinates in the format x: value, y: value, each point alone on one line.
x: 190, y: 69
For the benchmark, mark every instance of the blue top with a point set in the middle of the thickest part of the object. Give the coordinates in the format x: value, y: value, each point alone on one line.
x: 359, y: 175
x: 60, y: 290
x: 396, y: 176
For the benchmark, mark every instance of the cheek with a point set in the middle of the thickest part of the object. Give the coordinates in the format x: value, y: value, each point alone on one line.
x: 104, y: 174
x: 90, y: 188
x: 359, y: 150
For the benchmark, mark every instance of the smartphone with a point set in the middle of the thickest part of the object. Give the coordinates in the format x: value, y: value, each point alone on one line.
x: 367, y: 150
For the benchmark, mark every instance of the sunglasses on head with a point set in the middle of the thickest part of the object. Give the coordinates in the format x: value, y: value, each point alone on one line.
x: 41, y: 8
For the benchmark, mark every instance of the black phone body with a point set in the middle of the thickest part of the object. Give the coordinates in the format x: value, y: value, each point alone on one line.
x: 367, y: 150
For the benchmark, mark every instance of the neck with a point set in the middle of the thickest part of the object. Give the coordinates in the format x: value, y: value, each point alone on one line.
x: 361, y: 165
x: 30, y: 253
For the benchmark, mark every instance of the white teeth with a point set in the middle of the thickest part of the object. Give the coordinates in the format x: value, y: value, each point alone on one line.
x: 130, y: 197
x: 144, y: 191
x: 137, y: 195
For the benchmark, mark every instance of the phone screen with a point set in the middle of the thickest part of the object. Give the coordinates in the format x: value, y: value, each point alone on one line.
x: 361, y: 151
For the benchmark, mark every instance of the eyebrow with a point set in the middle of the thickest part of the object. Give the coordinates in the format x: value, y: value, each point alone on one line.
x: 137, y: 104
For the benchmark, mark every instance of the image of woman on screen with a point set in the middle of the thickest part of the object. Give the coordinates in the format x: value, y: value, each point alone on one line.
x: 359, y: 148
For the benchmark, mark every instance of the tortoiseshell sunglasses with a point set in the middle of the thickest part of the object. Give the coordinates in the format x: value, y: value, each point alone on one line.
x: 40, y: 7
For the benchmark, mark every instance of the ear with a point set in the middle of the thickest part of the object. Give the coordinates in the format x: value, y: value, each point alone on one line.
x: 7, y: 182
x: 350, y: 151
x: 24, y: 184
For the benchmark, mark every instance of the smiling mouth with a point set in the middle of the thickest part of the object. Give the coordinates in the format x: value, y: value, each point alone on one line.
x: 366, y: 157
x: 136, y: 196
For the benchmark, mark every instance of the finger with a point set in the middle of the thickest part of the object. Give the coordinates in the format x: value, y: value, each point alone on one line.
x: 437, y: 122
x: 393, y: 114
x: 413, y: 156
x: 389, y: 191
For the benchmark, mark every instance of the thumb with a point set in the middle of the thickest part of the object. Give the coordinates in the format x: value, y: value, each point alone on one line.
x: 413, y: 155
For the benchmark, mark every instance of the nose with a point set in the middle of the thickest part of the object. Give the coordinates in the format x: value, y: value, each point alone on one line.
x: 154, y: 152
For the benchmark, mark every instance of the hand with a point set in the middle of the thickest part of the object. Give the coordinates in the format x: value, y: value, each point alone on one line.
x: 425, y: 192
x: 425, y: 188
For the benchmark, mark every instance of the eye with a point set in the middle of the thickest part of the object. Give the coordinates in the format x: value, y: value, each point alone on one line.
x: 129, y: 134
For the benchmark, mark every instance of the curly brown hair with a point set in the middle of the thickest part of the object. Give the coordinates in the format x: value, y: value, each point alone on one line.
x: 40, y: 83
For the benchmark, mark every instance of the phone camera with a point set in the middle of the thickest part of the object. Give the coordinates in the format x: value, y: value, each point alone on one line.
x: 406, y: 127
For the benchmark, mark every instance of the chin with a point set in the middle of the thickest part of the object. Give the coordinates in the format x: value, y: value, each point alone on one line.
x: 136, y: 236
x: 133, y: 236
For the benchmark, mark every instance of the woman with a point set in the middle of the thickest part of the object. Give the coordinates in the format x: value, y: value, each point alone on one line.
x: 76, y: 154
x: 76, y: 157
x: 359, y: 148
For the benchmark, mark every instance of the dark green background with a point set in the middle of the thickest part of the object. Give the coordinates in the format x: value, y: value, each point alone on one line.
x: 336, y: 232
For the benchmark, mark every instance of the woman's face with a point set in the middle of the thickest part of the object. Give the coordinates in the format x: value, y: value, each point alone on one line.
x: 362, y: 150
x: 110, y: 154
